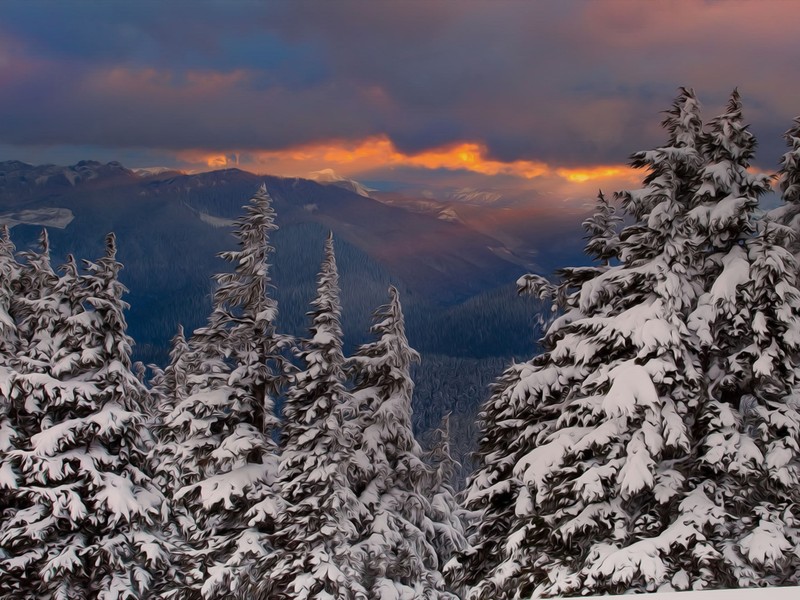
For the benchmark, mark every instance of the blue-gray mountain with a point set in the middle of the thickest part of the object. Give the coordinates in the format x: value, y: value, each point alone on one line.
x: 457, y: 282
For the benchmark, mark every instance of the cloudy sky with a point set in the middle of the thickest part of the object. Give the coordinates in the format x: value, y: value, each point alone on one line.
x: 540, y: 97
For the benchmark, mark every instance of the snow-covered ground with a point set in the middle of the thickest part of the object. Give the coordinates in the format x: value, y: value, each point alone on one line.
x: 50, y: 217
x: 216, y: 221
x: 783, y: 593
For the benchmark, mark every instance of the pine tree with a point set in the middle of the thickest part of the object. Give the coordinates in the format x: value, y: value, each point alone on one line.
x: 9, y: 346
x: 747, y: 326
x: 84, y: 505
x: 169, y: 387
x: 789, y: 178
x: 31, y: 307
x: 37, y: 307
x: 618, y: 459
x: 489, y: 494
x: 602, y: 245
x: 216, y: 448
x: 447, y: 517
x: 9, y: 272
x: 322, y: 516
x: 601, y: 229
x: 399, y: 558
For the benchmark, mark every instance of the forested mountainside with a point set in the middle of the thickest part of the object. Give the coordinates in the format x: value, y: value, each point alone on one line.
x: 653, y: 444
x: 459, y: 294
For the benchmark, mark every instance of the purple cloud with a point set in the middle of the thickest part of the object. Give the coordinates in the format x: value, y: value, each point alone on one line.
x: 567, y: 83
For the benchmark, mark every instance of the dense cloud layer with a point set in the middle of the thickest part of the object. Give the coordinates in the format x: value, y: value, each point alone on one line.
x: 566, y: 84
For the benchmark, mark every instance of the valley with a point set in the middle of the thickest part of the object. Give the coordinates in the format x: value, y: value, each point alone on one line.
x: 455, y: 264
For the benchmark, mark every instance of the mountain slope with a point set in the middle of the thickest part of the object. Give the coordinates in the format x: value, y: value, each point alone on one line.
x: 171, y: 225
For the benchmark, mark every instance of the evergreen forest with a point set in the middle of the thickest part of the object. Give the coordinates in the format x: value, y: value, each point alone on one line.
x: 650, y: 443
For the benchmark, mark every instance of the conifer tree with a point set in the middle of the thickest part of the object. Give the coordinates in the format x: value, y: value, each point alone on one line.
x: 9, y: 345
x: 321, y: 515
x: 447, y: 517
x: 37, y: 307
x: 216, y: 447
x: 489, y: 491
x: 84, y: 505
x: 31, y: 304
x: 9, y: 272
x: 168, y: 387
x: 399, y: 558
x: 789, y: 178
x: 747, y: 325
x: 601, y: 229
x: 619, y: 459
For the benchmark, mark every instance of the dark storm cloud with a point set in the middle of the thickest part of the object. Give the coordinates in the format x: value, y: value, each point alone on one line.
x: 562, y: 82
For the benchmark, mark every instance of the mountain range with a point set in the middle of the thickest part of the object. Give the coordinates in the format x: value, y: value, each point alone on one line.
x: 455, y: 262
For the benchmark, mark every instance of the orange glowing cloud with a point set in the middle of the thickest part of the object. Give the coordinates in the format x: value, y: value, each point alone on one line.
x: 470, y: 156
x: 356, y: 158
x: 599, y: 173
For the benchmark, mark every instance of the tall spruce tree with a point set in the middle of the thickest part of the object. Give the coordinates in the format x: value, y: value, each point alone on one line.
x: 9, y: 346
x: 9, y: 272
x: 32, y: 309
x: 168, y: 387
x: 601, y: 231
x: 84, y: 506
x: 321, y: 515
x: 620, y: 459
x: 399, y: 559
x: 447, y: 516
x: 216, y: 449
x: 488, y: 503
x: 37, y: 307
x: 747, y: 326
x: 789, y: 181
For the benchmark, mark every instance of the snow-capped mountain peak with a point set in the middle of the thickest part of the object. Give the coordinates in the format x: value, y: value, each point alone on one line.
x: 473, y: 196
x: 331, y: 177
x: 150, y: 171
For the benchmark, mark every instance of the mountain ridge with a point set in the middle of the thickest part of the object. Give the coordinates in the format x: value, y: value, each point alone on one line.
x: 418, y: 248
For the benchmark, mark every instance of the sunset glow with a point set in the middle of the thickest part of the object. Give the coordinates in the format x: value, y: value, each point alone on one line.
x: 361, y: 158
x: 276, y: 89
x: 583, y: 175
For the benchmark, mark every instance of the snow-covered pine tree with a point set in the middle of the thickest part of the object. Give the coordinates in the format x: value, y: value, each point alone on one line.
x: 169, y: 387
x: 175, y: 375
x: 321, y: 516
x: 489, y: 508
x: 399, y: 558
x: 216, y: 447
x: 601, y: 231
x: 31, y: 306
x: 84, y: 505
x: 9, y: 272
x: 9, y: 345
x: 602, y: 245
x: 447, y: 516
x: 36, y: 307
x: 789, y: 177
x: 749, y: 336
x: 619, y: 459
